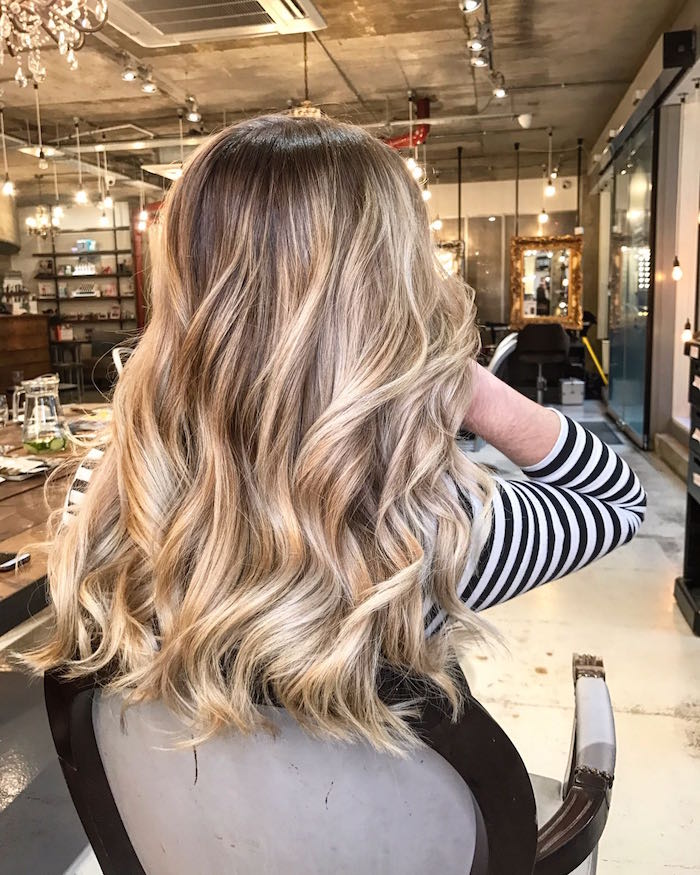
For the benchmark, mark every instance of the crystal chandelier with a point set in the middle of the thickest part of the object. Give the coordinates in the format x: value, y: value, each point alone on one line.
x: 27, y: 26
x: 41, y: 223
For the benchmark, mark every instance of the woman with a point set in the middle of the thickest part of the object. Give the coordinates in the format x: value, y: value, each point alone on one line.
x: 282, y: 505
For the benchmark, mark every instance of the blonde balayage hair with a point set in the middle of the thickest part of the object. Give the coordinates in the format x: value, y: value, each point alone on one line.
x: 276, y: 504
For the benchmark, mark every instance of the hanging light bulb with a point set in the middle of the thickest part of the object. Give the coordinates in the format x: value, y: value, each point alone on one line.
x: 549, y: 189
x: 469, y: 5
x: 499, y: 92
x: 8, y: 188
x: 193, y: 113
x: 143, y: 216
x: 543, y: 217
x: 687, y: 334
x: 555, y: 172
x: 410, y: 162
x: 43, y: 163
x: 677, y: 271
x: 426, y: 194
x: 57, y: 211
x: 108, y: 202
x: 436, y: 224
x: 81, y: 197
x: 141, y: 226
x: 148, y: 86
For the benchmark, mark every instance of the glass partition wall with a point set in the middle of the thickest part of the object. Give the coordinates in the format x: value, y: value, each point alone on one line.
x: 631, y: 282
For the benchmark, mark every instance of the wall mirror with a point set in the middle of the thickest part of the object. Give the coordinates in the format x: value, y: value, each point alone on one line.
x: 546, y: 281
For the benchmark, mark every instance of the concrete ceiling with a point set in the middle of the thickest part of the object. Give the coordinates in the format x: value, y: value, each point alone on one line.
x: 564, y: 62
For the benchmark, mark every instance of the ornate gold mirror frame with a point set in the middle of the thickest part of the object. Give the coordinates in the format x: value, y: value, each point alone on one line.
x: 573, y: 316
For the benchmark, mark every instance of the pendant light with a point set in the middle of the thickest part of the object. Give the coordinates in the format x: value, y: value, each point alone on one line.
x: 56, y: 209
x: 306, y: 109
x: 142, y: 223
x: 687, y: 334
x: 414, y: 168
x: 436, y: 224
x: 549, y: 189
x: 43, y: 163
x: 179, y: 171
x: 8, y: 187
x: 107, y: 201
x: 81, y: 197
x: 543, y: 217
x: 677, y: 270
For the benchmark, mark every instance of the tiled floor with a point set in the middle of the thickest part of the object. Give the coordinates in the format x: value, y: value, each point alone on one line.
x: 620, y: 608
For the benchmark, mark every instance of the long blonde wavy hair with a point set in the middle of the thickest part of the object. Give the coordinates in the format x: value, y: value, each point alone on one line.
x: 276, y: 505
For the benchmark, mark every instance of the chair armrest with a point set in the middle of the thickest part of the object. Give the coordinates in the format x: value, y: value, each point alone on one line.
x: 572, y: 834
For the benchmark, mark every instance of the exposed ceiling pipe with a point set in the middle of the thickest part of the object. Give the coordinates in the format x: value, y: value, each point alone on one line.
x: 94, y: 131
x: 417, y: 133
x: 432, y: 121
x: 137, y: 145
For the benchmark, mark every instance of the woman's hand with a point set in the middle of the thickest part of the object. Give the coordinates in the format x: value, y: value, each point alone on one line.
x: 521, y: 429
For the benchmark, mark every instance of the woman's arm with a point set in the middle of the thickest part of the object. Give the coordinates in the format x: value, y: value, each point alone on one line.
x: 578, y: 502
x: 522, y: 430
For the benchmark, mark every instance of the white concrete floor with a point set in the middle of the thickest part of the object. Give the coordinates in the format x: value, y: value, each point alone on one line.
x: 621, y: 608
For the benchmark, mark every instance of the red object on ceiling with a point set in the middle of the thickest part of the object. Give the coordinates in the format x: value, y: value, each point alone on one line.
x: 420, y: 131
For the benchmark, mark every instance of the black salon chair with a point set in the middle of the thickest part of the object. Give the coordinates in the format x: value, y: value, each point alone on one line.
x: 540, y: 345
x: 291, y: 802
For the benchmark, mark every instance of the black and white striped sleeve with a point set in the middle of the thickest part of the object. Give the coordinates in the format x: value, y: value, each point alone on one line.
x: 81, y: 480
x: 576, y: 505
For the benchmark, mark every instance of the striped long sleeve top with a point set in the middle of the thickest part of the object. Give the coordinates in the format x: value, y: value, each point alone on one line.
x: 577, y: 504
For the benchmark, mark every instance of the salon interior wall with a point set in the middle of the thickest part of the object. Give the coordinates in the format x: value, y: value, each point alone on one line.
x: 686, y: 249
x: 488, y: 243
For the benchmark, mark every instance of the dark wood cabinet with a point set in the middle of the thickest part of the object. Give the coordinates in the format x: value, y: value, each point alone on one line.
x: 24, y: 346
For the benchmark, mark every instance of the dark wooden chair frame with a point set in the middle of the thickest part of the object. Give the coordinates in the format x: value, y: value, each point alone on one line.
x: 508, y: 841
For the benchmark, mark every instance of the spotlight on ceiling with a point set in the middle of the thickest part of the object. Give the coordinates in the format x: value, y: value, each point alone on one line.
x: 476, y: 44
x: 525, y: 119
x: 478, y: 61
x: 148, y: 86
x: 499, y: 86
x: 193, y: 113
x: 129, y: 73
x: 470, y: 5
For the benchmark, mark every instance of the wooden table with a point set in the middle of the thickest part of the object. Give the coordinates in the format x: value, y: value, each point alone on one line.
x: 24, y: 512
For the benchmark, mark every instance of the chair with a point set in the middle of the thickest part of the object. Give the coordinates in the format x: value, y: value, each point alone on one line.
x: 293, y: 803
x: 543, y: 344
x: 119, y: 356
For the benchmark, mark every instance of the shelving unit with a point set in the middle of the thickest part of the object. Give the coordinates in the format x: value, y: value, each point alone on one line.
x: 69, y: 308
x: 687, y: 588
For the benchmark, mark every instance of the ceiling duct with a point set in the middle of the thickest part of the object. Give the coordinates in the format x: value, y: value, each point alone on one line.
x: 156, y: 23
x: 418, y: 133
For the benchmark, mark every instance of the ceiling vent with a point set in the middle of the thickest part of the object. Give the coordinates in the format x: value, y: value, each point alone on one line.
x: 155, y: 23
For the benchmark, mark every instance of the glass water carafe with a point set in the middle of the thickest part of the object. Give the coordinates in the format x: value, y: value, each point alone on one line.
x: 44, y: 427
